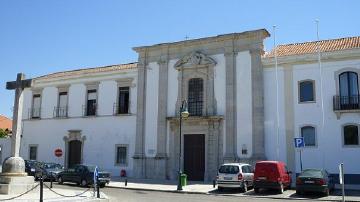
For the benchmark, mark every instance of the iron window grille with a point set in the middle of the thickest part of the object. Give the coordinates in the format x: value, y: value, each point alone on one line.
x: 195, y: 97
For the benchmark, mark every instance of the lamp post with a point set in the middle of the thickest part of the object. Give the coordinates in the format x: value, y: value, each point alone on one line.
x: 183, y: 112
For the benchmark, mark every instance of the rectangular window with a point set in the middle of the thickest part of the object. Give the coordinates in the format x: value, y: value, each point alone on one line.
x: 121, y: 155
x: 35, y: 111
x: 91, y: 103
x: 306, y: 91
x: 351, y: 135
x: 32, y: 152
x: 61, y: 110
x: 308, y: 133
x: 123, y: 100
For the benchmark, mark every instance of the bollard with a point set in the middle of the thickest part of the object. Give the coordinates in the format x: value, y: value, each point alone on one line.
x: 41, y: 189
x: 51, y: 181
x: 214, y: 183
x: 97, y: 187
x: 125, y: 182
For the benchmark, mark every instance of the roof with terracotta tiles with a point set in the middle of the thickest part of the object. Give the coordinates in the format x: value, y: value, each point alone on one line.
x: 85, y: 71
x: 5, y: 123
x: 311, y: 47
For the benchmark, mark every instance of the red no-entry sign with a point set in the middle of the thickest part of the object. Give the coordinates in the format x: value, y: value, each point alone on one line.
x: 58, y: 152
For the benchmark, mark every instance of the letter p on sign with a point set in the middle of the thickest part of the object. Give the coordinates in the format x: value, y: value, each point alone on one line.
x: 299, y: 142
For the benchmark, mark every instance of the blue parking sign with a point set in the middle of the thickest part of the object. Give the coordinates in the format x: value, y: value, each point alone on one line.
x: 299, y: 142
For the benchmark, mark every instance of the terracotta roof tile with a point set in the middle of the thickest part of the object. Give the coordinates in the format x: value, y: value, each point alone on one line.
x: 5, y: 123
x: 85, y: 71
x: 311, y: 47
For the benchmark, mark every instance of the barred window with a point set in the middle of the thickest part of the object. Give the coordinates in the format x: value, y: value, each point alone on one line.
x: 32, y: 152
x: 121, y: 154
x: 195, y: 97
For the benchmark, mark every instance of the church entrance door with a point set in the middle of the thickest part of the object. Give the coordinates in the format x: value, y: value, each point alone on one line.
x: 74, y: 153
x: 194, y: 156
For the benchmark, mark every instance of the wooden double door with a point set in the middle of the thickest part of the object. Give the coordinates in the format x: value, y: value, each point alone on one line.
x: 194, y: 156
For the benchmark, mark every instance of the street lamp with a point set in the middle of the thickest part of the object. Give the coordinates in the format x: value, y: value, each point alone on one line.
x: 183, y: 112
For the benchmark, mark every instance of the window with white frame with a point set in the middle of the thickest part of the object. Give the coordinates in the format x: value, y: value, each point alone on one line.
x: 123, y: 102
x: 309, y: 135
x: 121, y: 155
x: 36, y: 105
x: 32, y: 152
x: 351, y: 135
x: 91, y: 102
x: 307, y: 91
x: 61, y: 110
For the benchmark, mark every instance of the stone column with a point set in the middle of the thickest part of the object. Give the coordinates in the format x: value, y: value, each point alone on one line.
x: 161, y: 156
x: 230, y: 116
x: 257, y: 89
x: 139, y: 155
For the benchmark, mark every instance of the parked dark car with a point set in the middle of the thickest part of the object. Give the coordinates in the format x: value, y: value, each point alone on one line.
x: 33, y: 168
x: 314, y: 180
x: 83, y: 175
x: 51, y: 171
x: 271, y: 175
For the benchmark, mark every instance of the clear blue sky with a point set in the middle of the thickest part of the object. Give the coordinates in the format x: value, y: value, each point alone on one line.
x: 42, y: 36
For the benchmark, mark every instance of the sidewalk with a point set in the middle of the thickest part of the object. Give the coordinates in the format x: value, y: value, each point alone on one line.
x: 34, y: 196
x: 207, y: 188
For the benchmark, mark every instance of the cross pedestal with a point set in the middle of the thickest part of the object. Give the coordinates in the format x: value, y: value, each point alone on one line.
x: 14, y: 179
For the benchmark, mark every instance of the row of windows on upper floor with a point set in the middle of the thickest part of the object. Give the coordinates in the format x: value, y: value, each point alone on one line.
x: 347, y: 99
x: 122, y: 105
x: 350, y: 135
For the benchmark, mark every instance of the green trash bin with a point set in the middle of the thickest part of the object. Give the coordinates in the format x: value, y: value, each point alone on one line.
x: 183, y: 179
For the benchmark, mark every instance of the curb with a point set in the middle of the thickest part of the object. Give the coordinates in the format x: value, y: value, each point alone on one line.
x: 203, y: 193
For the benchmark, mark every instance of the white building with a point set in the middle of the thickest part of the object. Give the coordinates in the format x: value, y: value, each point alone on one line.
x: 127, y: 116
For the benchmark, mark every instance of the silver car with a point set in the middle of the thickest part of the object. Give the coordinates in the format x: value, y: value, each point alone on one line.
x: 235, y: 175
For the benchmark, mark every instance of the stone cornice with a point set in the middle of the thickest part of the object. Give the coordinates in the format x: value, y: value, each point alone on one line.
x: 313, y: 57
x: 254, y: 34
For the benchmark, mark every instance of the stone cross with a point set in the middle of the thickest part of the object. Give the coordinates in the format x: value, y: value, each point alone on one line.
x: 18, y: 86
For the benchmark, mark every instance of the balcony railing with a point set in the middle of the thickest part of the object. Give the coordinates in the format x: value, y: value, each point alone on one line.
x: 61, y: 112
x: 346, y: 103
x: 90, y: 110
x: 117, y: 109
x: 34, y: 113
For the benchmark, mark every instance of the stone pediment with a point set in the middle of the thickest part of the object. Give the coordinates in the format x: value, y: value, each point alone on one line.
x: 195, y: 59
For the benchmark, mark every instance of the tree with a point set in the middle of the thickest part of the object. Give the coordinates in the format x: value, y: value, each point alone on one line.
x: 4, y: 133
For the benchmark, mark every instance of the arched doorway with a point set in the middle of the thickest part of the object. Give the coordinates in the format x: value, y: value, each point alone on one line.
x: 74, y: 152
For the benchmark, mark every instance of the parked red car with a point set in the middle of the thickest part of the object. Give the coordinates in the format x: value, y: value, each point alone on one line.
x: 271, y: 175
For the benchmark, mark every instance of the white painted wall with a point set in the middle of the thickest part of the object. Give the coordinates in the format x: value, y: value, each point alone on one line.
x: 5, y: 145
x: 244, y: 103
x: 151, y: 113
x: 172, y: 88
x: 102, y: 132
x: 329, y: 151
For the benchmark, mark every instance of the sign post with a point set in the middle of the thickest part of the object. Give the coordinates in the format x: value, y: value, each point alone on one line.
x: 341, y: 179
x: 299, y: 143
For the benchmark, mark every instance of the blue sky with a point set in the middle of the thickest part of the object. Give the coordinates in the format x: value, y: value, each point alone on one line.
x: 44, y: 36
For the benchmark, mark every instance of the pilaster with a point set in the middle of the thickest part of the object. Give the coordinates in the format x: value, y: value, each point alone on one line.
x: 230, y: 116
x: 257, y: 89
x: 139, y: 154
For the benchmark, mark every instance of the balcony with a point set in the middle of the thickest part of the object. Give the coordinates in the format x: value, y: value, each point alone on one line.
x: 60, y: 112
x: 346, y: 104
x: 120, y: 109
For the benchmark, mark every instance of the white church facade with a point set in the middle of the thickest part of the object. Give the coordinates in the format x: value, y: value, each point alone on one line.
x: 127, y: 116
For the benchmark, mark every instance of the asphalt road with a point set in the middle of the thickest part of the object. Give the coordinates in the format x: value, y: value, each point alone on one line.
x: 122, y: 195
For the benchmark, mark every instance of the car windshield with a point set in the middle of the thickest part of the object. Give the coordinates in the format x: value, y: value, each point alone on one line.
x: 52, y: 166
x: 311, y: 173
x: 229, y: 169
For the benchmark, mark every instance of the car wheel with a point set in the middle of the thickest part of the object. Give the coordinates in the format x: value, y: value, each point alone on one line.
x: 245, y: 187
x: 256, y: 190
x: 220, y: 189
x: 327, y: 192
x: 102, y: 185
x: 83, y: 183
x: 298, y: 192
x: 281, y: 189
x: 60, y: 180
